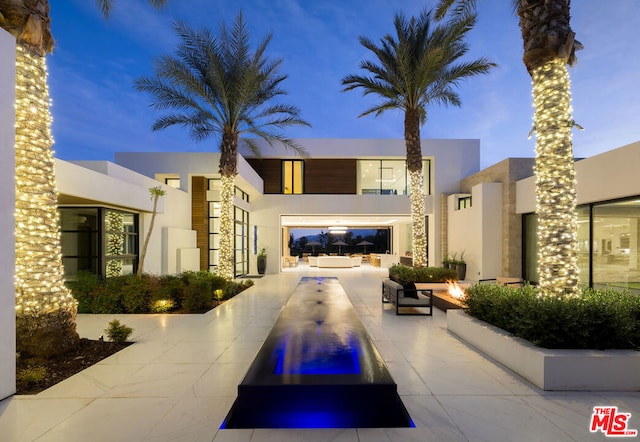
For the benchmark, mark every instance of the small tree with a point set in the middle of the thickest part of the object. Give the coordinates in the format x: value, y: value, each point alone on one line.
x: 156, y: 193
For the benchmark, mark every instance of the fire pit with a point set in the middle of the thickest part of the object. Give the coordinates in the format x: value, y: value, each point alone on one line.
x: 452, y: 298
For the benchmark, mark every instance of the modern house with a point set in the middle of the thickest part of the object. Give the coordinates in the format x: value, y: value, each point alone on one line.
x: 489, y: 214
x: 106, y: 208
x: 360, y: 184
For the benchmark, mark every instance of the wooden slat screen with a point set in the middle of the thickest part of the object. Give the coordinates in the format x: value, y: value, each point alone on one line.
x: 200, y: 218
x: 270, y: 170
x: 330, y: 176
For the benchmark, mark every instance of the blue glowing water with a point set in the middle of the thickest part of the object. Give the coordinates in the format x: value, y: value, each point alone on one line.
x: 320, y: 356
x: 318, y: 368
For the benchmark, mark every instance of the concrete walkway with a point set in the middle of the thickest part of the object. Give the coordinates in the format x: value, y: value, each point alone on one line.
x: 179, y: 379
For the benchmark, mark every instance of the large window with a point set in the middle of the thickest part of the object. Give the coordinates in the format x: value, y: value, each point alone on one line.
x: 292, y: 177
x: 389, y: 177
x: 530, y: 247
x: 121, y: 242
x: 80, y: 240
x: 214, y: 226
x: 607, y: 245
x: 584, y: 251
x: 98, y: 240
x: 614, y: 244
x: 241, y: 237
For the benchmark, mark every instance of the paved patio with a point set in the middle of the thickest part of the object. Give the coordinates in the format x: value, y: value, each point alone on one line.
x: 178, y: 381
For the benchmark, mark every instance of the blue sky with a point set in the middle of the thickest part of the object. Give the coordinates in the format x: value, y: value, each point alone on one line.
x: 97, y: 111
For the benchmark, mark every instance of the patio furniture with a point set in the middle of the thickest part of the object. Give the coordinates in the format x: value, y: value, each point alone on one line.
x: 402, y: 297
x: 335, y: 261
x: 289, y: 261
x: 503, y: 281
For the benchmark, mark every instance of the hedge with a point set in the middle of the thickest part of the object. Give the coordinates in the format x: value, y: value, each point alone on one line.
x: 596, y: 319
x: 188, y: 292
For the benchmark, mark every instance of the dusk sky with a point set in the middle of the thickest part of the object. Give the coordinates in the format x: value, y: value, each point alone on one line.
x: 97, y: 111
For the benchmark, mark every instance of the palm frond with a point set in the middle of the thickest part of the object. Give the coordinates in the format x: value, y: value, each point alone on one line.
x: 461, y: 8
x: 417, y: 66
x: 382, y: 107
x: 218, y: 84
x: 106, y: 5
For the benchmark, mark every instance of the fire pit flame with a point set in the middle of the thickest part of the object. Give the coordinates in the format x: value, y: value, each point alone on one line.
x: 454, y: 290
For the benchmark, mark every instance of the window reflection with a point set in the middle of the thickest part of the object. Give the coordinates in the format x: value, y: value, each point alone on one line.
x: 98, y: 240
x: 388, y: 177
x: 615, y: 245
x: 608, y: 237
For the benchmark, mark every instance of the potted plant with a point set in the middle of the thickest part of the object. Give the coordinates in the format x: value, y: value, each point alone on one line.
x: 461, y: 267
x: 262, y: 261
x: 446, y: 262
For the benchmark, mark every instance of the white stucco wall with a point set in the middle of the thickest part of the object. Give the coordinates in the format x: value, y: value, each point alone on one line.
x: 106, y: 184
x: 610, y: 175
x: 477, y: 231
x: 452, y: 160
x: 7, y: 221
x: 187, y: 164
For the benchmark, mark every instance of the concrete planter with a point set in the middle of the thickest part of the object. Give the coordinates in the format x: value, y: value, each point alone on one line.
x: 613, y: 370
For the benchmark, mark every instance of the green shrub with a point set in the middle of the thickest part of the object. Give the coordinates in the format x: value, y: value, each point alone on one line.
x: 31, y: 375
x: 422, y: 274
x: 162, y: 305
x: 218, y: 282
x: 232, y: 288
x: 136, y: 293
x: 118, y: 332
x: 597, y: 319
x: 198, y: 296
x: 402, y: 272
x: 81, y: 288
x: 169, y: 287
x: 435, y: 274
x: 106, y: 300
x: 189, y: 291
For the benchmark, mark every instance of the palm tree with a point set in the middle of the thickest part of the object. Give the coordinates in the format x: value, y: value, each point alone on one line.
x: 45, y: 309
x: 219, y: 87
x: 549, y: 46
x: 156, y: 193
x: 415, y: 69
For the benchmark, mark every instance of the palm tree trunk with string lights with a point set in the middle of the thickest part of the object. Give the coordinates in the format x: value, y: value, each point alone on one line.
x: 228, y: 170
x: 549, y: 46
x: 45, y: 309
x: 414, y: 167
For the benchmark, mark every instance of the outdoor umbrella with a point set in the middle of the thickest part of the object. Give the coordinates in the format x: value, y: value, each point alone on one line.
x: 365, y: 244
x: 339, y: 244
x: 313, y: 245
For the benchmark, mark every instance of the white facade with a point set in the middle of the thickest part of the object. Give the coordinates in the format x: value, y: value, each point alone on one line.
x: 7, y: 220
x: 607, y: 176
x: 172, y: 247
x: 451, y: 160
x: 476, y: 231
